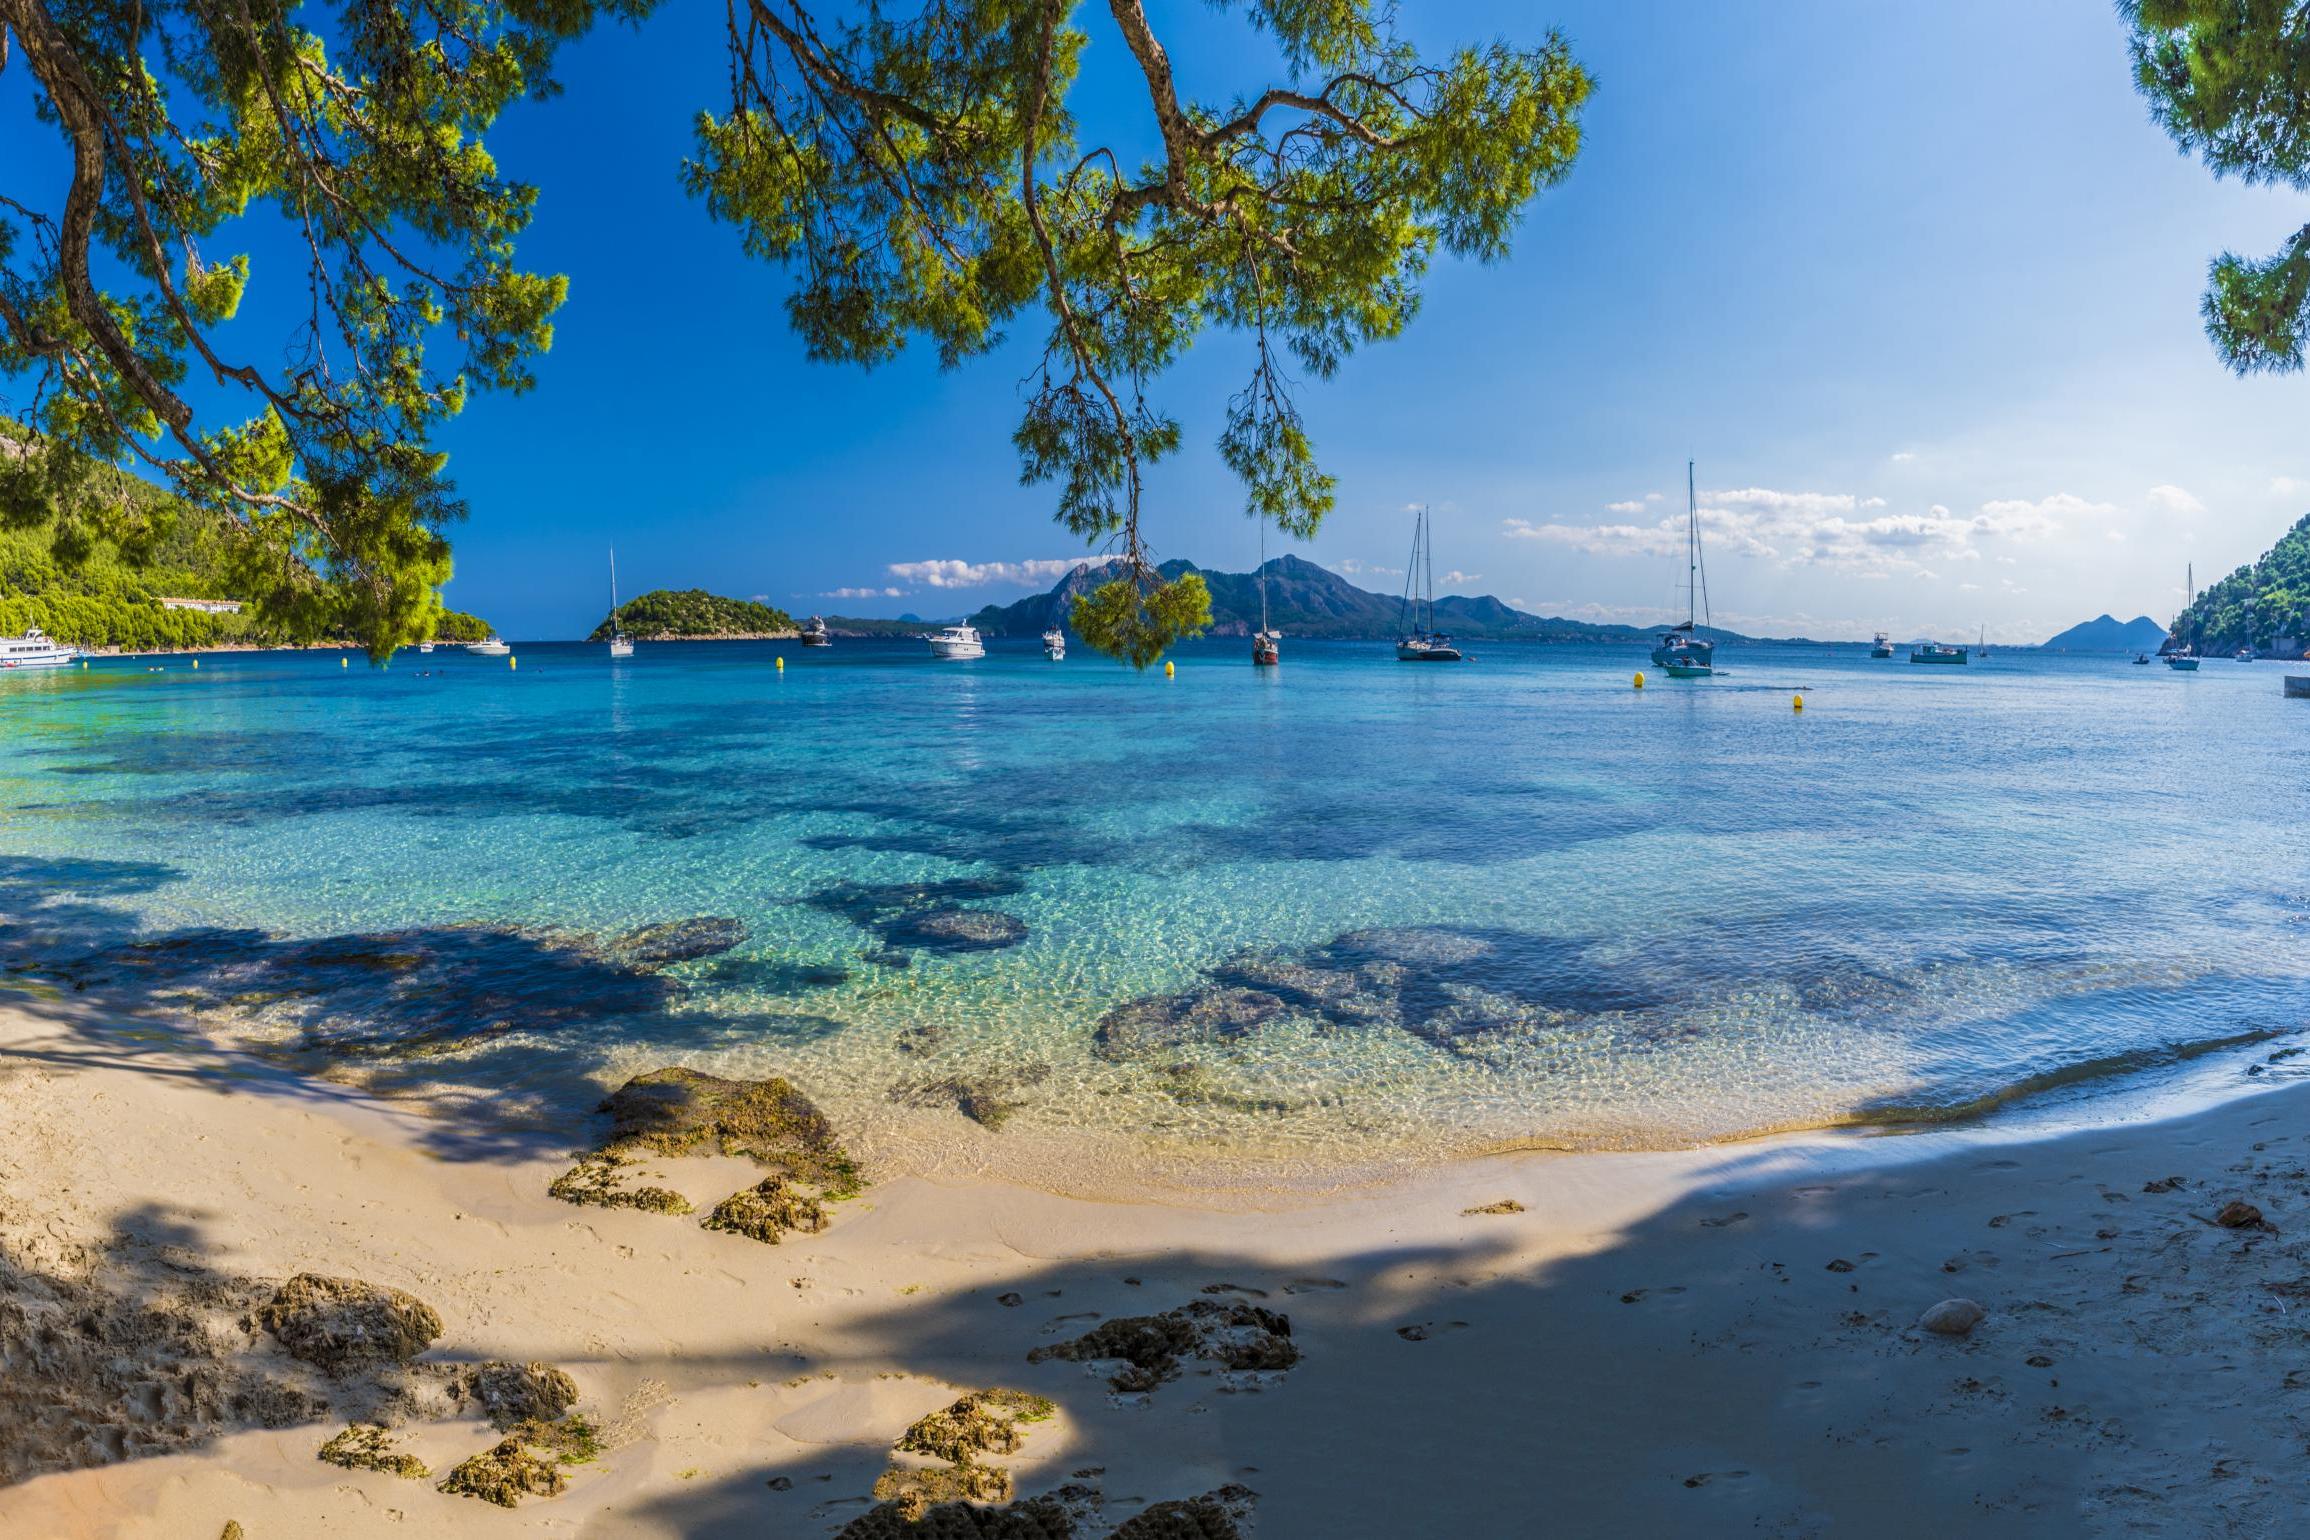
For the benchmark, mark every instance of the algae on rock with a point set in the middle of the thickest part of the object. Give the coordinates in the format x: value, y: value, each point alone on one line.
x: 342, y: 1324
x: 504, y: 1474
x: 983, y: 1422
x: 512, y: 1394
x: 1232, y: 1333
x: 767, y: 1210
x: 365, y: 1446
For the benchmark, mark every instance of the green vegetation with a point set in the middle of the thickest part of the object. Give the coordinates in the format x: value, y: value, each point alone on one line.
x: 924, y: 174
x: 2260, y: 605
x: 667, y: 613
x: 2226, y: 78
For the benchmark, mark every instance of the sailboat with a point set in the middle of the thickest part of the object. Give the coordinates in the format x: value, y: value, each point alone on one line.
x: 1265, y: 653
x: 2185, y: 658
x: 1981, y: 644
x: 621, y: 645
x: 1422, y: 643
x: 1684, y: 653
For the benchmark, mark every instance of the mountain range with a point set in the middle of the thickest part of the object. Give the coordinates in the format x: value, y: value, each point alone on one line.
x: 2106, y: 633
x: 1306, y: 600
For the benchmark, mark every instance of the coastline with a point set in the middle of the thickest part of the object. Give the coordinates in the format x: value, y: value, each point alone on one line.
x: 1680, y: 1343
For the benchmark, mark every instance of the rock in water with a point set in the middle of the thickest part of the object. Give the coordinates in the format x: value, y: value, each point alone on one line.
x: 341, y: 1324
x: 2238, y: 1216
x: 1165, y: 1023
x: 677, y: 941
x: 958, y: 930
x: 1952, y: 1317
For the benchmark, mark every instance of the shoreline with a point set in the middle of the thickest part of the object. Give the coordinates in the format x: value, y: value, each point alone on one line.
x: 1729, y: 1332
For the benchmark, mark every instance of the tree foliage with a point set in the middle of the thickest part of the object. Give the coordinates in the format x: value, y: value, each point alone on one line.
x: 666, y: 612
x: 2259, y: 605
x: 2230, y: 81
x: 921, y: 172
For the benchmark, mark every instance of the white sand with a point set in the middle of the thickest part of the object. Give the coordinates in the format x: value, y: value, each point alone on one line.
x: 1656, y: 1346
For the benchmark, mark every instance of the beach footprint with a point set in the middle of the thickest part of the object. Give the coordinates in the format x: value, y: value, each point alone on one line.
x: 1421, y: 1331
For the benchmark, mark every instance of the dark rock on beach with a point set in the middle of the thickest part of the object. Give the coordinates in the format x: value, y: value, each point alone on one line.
x: 342, y: 1324
x: 511, y: 1394
x: 768, y: 1210
x: 1149, y: 1348
x: 682, y: 1111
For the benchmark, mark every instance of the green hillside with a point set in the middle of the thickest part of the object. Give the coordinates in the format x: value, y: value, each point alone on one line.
x: 2265, y: 605
x: 692, y: 614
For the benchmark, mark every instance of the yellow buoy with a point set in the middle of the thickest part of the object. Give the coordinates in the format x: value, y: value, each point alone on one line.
x: 781, y: 665
x: 1640, y: 679
x: 511, y: 661
x: 1796, y: 703
x: 341, y: 663
x: 1168, y: 668
x: 196, y: 663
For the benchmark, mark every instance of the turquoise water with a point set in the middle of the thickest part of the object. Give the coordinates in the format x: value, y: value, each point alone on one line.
x: 1342, y: 912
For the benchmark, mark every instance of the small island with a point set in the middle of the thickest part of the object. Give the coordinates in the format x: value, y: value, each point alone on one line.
x: 694, y: 615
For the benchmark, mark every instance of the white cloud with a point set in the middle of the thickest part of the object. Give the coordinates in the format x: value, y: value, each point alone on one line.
x: 863, y: 593
x: 1652, y: 497
x: 2169, y: 498
x: 1353, y: 568
x: 1457, y: 576
x: 2114, y: 536
x: 1904, y: 456
x: 979, y: 574
x: 1838, y: 531
x: 2287, y: 486
x: 1632, y: 506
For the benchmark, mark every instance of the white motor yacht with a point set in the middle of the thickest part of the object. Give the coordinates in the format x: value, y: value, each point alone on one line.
x: 489, y: 647
x: 34, y: 649
x: 1055, y: 644
x: 957, y: 642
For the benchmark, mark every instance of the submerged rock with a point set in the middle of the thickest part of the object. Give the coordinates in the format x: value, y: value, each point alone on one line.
x: 766, y: 1211
x: 1953, y: 1317
x: 1161, y: 1024
x: 1233, y: 1333
x: 365, y: 1446
x: 986, y: 1099
x: 342, y: 1324
x: 958, y: 930
x: 680, y: 941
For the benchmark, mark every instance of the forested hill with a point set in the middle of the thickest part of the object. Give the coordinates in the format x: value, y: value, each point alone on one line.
x: 2265, y: 605
x: 692, y: 614
x: 1304, y: 599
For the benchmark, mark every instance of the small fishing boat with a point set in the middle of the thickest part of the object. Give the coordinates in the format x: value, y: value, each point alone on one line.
x: 621, y: 645
x: 815, y: 634
x: 1882, y: 647
x: 1936, y: 652
x: 2184, y: 658
x: 425, y: 647
x: 34, y: 649
x: 1420, y: 641
x: 1684, y: 653
x: 2141, y: 660
x: 1055, y: 645
x: 489, y: 647
x: 2244, y: 655
x: 957, y: 642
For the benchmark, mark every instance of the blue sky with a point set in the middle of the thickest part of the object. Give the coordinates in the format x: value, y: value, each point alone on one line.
x: 1915, y: 285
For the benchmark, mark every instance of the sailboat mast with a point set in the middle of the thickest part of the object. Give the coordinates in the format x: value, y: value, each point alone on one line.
x: 1263, y: 579
x: 1428, y: 528
x: 1691, y: 550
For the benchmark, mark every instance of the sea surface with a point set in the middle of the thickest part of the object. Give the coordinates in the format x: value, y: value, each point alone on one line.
x: 1340, y: 913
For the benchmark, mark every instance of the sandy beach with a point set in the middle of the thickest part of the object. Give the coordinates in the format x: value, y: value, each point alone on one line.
x: 1711, y: 1342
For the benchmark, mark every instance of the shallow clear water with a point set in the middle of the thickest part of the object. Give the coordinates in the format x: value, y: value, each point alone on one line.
x: 1342, y: 911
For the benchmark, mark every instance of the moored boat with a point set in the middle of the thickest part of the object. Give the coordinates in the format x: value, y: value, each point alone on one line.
x: 1266, y: 649
x: 957, y: 642
x: 35, y: 649
x: 2183, y: 657
x: 1936, y: 652
x: 1055, y: 645
x: 1882, y: 647
x: 621, y: 645
x: 815, y: 634
x: 489, y: 647
x: 1420, y: 641
x: 1684, y: 653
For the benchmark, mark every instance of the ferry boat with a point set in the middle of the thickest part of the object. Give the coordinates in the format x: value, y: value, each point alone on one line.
x: 1882, y: 647
x: 957, y: 642
x: 489, y: 647
x: 1684, y: 653
x: 1936, y: 652
x: 1055, y: 645
x: 34, y: 649
x: 815, y: 634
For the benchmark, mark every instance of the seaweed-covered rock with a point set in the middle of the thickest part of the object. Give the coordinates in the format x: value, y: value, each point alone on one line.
x: 1033, y: 1518
x: 599, y: 1181
x: 1216, y: 1515
x: 679, y: 941
x: 504, y: 1474
x: 983, y: 1422
x: 512, y: 1394
x: 913, y: 1489
x: 365, y: 1446
x: 678, y: 1110
x: 767, y: 1210
x: 342, y: 1324
x: 1233, y: 1333
x: 1162, y: 1024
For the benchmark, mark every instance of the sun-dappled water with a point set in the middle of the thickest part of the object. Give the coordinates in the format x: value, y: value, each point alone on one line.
x: 1344, y: 910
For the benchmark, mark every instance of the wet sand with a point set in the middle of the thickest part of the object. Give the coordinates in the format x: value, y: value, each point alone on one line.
x: 1699, y: 1343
